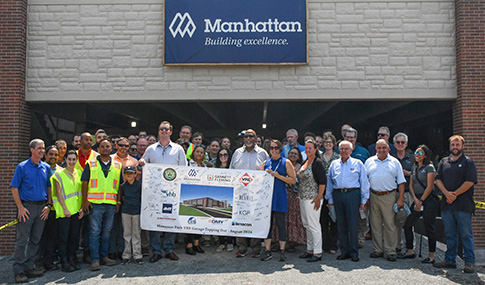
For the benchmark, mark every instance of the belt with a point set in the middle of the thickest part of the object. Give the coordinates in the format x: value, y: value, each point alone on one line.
x: 344, y: 190
x: 382, y: 193
x: 35, y: 202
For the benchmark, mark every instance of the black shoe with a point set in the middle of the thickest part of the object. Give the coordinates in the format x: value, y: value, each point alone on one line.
x: 391, y: 257
x: 376, y: 255
x: 199, y: 249
x: 155, y: 257
x: 171, y: 256
x: 406, y: 256
x: 119, y: 255
x: 354, y: 258
x: 427, y: 260
x: 314, y: 258
x: 50, y: 267
x: 190, y: 250
x: 342, y: 257
x: 66, y: 267
x: 306, y: 255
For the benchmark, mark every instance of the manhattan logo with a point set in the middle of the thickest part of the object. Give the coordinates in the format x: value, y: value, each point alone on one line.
x: 192, y: 172
x: 183, y: 24
x: 180, y: 21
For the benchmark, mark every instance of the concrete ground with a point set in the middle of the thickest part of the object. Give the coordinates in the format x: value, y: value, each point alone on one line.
x: 225, y: 268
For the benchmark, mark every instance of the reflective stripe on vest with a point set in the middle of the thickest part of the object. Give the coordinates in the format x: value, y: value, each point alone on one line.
x: 72, y: 199
x: 104, y: 190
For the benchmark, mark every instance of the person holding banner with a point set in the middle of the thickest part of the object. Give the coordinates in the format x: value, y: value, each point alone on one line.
x: 312, y: 180
x: 250, y: 157
x: 163, y: 152
x: 192, y: 246
x: 284, y: 173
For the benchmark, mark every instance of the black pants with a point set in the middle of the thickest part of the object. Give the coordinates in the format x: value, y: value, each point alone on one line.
x: 190, y: 238
x: 280, y: 221
x: 47, y: 245
x: 69, y: 234
x: 429, y: 217
x: 329, y: 229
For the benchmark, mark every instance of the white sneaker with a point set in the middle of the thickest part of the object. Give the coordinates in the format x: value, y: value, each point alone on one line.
x: 230, y: 247
x: 220, y: 248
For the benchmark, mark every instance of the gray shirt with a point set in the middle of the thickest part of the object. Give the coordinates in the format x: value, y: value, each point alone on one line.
x: 171, y: 154
x: 422, y: 174
x: 243, y: 159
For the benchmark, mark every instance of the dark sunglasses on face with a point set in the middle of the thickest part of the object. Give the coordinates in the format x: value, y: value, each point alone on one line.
x: 274, y: 147
x: 419, y: 152
x: 223, y: 154
x: 164, y: 129
x: 133, y: 149
x: 249, y: 136
x: 123, y: 145
x: 400, y: 142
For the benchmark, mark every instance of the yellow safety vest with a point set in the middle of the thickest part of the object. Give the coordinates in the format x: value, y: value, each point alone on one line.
x: 72, y: 193
x: 78, y: 166
x: 103, y: 190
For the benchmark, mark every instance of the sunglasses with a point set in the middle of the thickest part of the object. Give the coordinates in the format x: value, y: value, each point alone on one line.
x: 292, y: 153
x: 399, y: 142
x: 381, y: 135
x: 164, y: 129
x: 223, y: 155
x: 123, y: 145
x: 419, y: 152
x: 274, y: 147
x: 249, y: 136
x: 133, y: 149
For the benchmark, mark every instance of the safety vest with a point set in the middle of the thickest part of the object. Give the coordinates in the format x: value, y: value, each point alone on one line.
x: 72, y: 193
x: 103, y: 190
x: 92, y: 155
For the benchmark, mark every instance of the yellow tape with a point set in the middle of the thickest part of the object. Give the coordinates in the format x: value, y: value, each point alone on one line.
x: 9, y: 224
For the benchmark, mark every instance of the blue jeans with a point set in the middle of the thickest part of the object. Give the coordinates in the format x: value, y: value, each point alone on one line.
x: 100, y: 223
x: 455, y: 221
x: 347, y: 211
x: 168, y: 242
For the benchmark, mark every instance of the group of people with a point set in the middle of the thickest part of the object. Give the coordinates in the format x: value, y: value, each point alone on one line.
x: 328, y: 195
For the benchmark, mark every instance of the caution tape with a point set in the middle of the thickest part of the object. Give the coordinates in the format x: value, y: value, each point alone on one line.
x: 9, y: 224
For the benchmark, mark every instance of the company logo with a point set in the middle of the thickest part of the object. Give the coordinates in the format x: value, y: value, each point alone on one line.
x: 182, y: 24
x: 245, y: 179
x: 192, y: 172
x: 216, y: 221
x: 169, y: 174
x: 219, y: 177
x: 244, y: 212
x: 242, y: 224
x: 169, y: 193
x: 191, y: 221
x: 167, y: 208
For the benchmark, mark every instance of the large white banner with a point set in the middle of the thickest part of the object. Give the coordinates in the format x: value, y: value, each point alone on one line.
x: 212, y: 201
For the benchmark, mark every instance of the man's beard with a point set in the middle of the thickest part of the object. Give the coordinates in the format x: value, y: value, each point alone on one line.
x: 458, y: 151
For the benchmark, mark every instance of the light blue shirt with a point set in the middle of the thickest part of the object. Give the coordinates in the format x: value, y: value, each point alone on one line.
x: 384, y: 175
x: 350, y: 174
x: 171, y: 154
x: 243, y: 159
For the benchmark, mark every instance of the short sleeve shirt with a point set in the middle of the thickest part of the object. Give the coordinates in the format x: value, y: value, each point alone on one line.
x: 32, y: 180
x: 453, y: 174
x: 384, y: 175
x: 422, y: 175
x: 131, y: 195
x: 407, y: 163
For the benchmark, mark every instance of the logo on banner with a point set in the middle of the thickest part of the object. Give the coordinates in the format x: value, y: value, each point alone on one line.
x: 245, y: 179
x: 242, y: 224
x: 215, y: 221
x: 169, y: 174
x: 169, y: 193
x: 167, y: 208
x: 192, y: 172
x: 183, y: 25
x: 191, y: 221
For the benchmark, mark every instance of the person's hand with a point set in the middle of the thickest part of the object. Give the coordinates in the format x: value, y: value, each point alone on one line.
x: 141, y: 162
x: 23, y: 214
x: 86, y: 206
x: 450, y: 197
x: 45, y: 213
x: 418, y: 205
x: 329, y: 206
x: 67, y: 213
x: 362, y: 207
x: 117, y: 208
x: 317, y: 202
x: 400, y: 202
x: 81, y: 214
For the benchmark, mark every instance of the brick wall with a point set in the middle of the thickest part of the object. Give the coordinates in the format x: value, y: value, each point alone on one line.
x: 469, y: 108
x: 14, y: 113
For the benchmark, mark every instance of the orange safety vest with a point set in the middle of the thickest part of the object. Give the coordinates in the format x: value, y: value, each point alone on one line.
x: 103, y: 190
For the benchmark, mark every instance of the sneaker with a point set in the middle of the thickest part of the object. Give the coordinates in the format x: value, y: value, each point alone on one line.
x: 21, y: 278
x: 469, y: 268
x: 107, y: 261
x: 266, y: 256
x: 95, y: 266
x: 240, y: 254
x: 32, y: 273
x: 230, y: 247
x: 256, y: 254
x: 139, y: 261
x: 444, y: 264
x: 282, y: 256
x: 125, y: 261
x: 220, y: 248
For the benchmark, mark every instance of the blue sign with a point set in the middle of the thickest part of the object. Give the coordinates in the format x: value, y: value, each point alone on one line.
x: 235, y: 32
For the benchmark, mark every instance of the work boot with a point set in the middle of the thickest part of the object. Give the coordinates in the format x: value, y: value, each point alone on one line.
x: 107, y: 261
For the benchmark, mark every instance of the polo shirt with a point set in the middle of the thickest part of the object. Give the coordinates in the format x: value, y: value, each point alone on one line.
x: 243, y: 159
x: 83, y: 158
x: 131, y: 195
x: 453, y: 174
x: 172, y: 154
x: 384, y: 175
x: 407, y: 163
x: 32, y: 180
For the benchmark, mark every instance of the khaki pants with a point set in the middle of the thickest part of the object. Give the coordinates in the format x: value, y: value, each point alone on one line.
x: 400, y: 218
x: 384, y: 233
x: 363, y: 228
x: 131, y: 235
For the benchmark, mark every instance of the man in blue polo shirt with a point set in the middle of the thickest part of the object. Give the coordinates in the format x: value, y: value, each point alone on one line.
x: 456, y: 177
x: 31, y: 190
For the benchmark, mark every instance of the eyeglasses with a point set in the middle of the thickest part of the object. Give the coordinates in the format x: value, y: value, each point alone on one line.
x: 164, y: 129
x: 249, y: 136
x: 419, y: 152
x: 350, y: 138
x: 382, y: 135
x: 123, y: 145
x: 400, y: 142
x: 133, y: 149
x: 223, y: 154
x: 292, y: 153
x: 330, y: 142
